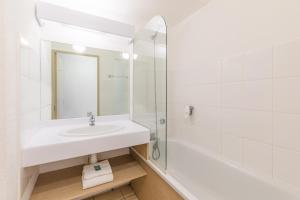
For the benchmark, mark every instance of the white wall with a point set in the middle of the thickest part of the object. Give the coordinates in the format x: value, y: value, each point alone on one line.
x: 29, y: 77
x: 232, y: 61
x: 16, y: 19
x: 9, y: 153
x: 2, y: 136
x: 46, y: 80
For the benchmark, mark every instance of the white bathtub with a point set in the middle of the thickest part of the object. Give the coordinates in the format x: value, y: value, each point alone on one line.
x: 209, y: 178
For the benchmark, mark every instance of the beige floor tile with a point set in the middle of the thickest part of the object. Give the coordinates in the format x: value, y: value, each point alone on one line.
x: 112, y: 195
x: 131, y: 198
x: 127, y: 191
x: 123, y: 193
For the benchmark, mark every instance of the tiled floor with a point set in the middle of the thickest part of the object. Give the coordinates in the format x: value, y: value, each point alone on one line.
x: 123, y: 193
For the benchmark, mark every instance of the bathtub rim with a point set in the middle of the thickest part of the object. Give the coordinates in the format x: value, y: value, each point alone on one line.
x: 187, y: 195
x: 271, y: 181
x: 171, y: 181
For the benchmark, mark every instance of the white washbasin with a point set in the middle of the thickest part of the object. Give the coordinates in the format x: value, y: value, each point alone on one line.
x: 92, y: 130
x: 71, y: 138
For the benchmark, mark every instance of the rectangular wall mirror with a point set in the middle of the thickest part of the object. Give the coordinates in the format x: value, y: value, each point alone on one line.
x: 76, y: 80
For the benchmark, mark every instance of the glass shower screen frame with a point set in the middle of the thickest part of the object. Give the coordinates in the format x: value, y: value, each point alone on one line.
x: 150, y: 86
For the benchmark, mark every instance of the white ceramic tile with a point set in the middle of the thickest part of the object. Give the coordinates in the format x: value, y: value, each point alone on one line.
x: 3, y: 189
x: 210, y: 141
x: 233, y: 95
x: 1, y: 107
x: 178, y: 77
x: 11, y: 100
x: 175, y: 110
x: 287, y: 165
x: 287, y: 60
x: 258, y: 157
x: 232, y: 122
x: 191, y: 132
x: 179, y: 94
x: 259, y: 64
x: 2, y: 150
x: 46, y: 62
x: 206, y: 72
x: 174, y: 127
x: 46, y: 113
x: 233, y: 69
x: 30, y: 119
x: 24, y: 88
x: 232, y: 148
x: 12, y: 140
x: 188, y: 75
x: 46, y: 94
x: 207, y: 94
x: 287, y: 95
x: 204, y: 129
x: 258, y: 95
x: 287, y: 130
x: 257, y: 125
x: 30, y: 94
x: 207, y: 119
x: 24, y: 61
x: 186, y: 94
x: 34, y: 68
x: 171, y: 77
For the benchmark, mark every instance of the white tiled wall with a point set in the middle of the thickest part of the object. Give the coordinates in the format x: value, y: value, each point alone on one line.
x: 9, y: 109
x: 30, y: 90
x: 28, y: 83
x: 249, y: 115
x: 46, y: 89
x: 29, y: 99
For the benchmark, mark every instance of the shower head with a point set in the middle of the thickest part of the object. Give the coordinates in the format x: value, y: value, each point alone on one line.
x: 154, y: 35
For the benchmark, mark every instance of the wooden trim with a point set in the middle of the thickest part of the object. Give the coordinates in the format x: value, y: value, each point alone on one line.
x: 98, y: 86
x: 54, y: 85
x: 143, y: 150
x: 152, y: 186
x: 54, y: 79
x: 65, y: 184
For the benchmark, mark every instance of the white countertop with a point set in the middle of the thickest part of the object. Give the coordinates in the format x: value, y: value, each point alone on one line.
x: 48, y: 145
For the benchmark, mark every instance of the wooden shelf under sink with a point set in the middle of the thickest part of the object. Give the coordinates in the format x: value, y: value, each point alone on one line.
x: 65, y: 184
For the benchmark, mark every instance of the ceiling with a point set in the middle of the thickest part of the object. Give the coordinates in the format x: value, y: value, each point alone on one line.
x: 135, y: 12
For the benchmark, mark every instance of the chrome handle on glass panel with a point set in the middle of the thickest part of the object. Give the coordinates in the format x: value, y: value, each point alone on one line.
x: 162, y: 121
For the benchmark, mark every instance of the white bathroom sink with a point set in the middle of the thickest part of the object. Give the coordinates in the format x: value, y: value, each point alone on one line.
x: 92, y: 130
x: 70, y: 138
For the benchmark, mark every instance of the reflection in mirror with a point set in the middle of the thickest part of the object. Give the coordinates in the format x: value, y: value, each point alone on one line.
x: 78, y: 79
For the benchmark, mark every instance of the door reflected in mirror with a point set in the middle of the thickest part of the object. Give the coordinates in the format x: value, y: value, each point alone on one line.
x: 76, y: 80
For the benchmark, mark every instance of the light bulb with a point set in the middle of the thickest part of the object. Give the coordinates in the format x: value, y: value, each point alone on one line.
x: 79, y: 48
x: 23, y: 41
x: 125, y: 56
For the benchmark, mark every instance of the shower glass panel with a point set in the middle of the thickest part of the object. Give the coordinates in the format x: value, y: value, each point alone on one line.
x: 150, y: 86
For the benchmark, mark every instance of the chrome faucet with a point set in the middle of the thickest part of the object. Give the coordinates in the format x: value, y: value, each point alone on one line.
x: 92, y: 118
